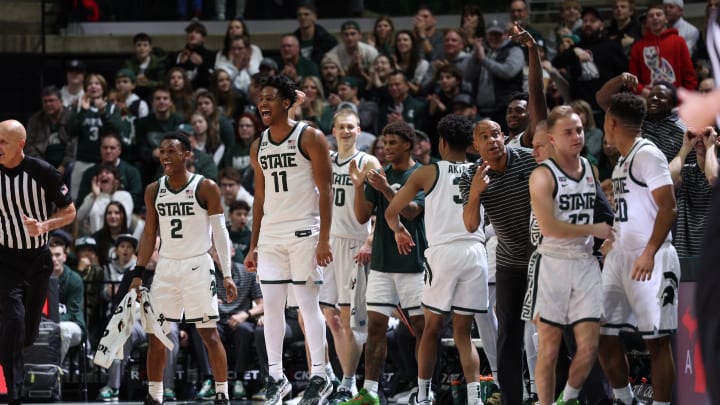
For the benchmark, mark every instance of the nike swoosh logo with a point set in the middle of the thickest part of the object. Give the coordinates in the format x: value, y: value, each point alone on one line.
x: 195, y: 268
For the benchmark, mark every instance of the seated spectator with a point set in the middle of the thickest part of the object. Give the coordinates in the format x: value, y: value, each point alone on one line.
x: 74, y: 88
x: 47, y: 136
x: 367, y: 110
x: 115, y: 223
x: 91, y: 272
x: 376, y: 87
x: 93, y: 118
x: 201, y: 162
x: 230, y: 181
x: 218, y: 123
x: 661, y: 55
x: 593, y: 134
x: 624, y: 27
x: 194, y: 58
x: 150, y: 130
x: 129, y: 176
x: 207, y: 138
x: 181, y: 93
x: 72, y: 320
x: 127, y: 129
x: 230, y: 102
x: 238, y: 64
x: 238, y: 228
x: 315, y: 107
x: 148, y: 67
x: 693, y: 184
x: 355, y: 57
x: 105, y: 187
x: 294, y: 65
x: 314, y: 39
x: 448, y: 84
x: 409, y: 59
x: 248, y: 129
x: 382, y: 35
x: 115, y: 270
x: 331, y: 73
x: 403, y: 107
x: 237, y: 28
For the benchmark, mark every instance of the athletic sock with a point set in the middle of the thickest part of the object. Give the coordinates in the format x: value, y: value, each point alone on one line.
x: 222, y: 387
x: 423, y: 389
x: 474, y: 395
x: 624, y: 394
x: 155, y: 389
x: 348, y: 383
x: 371, y: 387
x: 570, y: 392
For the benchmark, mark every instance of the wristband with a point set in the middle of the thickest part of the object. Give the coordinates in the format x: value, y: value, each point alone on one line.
x: 138, y: 271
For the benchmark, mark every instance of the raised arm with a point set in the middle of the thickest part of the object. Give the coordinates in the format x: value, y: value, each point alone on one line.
x: 614, y: 85
x: 537, y: 105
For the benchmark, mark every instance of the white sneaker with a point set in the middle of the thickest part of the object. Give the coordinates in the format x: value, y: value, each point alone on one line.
x: 403, y: 398
x: 295, y: 400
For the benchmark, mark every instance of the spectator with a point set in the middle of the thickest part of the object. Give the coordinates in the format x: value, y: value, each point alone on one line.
x: 237, y: 28
x: 91, y: 272
x: 47, y: 136
x: 472, y: 22
x: 570, y: 22
x: 74, y: 89
x: 377, y: 80
x: 693, y: 184
x: 181, y: 93
x: 200, y: 161
x: 248, y: 129
x: 129, y: 176
x: 314, y: 39
x: 149, y: 68
x: 422, y: 149
x: 495, y: 72
x: 125, y: 81
x: 197, y: 60
x: 354, y: 56
x: 463, y: 105
x: 454, y: 44
x: 124, y: 261
x: 409, y: 59
x: 238, y: 229
x: 520, y: 15
x: 661, y: 55
x: 230, y: 102
x: 294, y: 65
x: 115, y: 222
x: 93, y: 117
x: 230, y: 181
x: 378, y: 150
x: 517, y: 119
x: 382, y: 35
x: 331, y: 73
x: 207, y: 138
x: 150, y: 130
x: 448, y: 83
x: 72, y: 320
x: 624, y: 27
x: 367, y: 110
x: 105, y: 187
x: 237, y: 65
x: 315, y: 108
x: 268, y: 67
x: 592, y: 62
x: 402, y: 107
x: 593, y: 134
x: 217, y: 123
x: 674, y: 10
x: 430, y: 38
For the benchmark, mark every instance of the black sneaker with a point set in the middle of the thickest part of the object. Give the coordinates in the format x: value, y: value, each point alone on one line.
x: 318, y: 390
x: 340, y: 396
x: 221, y: 399
x: 151, y: 401
x: 277, y: 390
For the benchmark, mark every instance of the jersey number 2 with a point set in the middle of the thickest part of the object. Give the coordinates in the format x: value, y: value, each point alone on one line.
x: 176, y: 228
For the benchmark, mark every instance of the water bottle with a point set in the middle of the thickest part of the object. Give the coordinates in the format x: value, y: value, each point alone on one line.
x: 458, y: 394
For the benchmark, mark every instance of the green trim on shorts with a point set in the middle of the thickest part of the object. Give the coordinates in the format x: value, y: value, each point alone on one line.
x: 275, y: 281
x: 474, y: 311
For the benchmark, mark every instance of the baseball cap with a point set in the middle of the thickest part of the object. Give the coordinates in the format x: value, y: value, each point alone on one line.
x: 126, y: 237
x: 351, y: 81
x: 125, y: 72
x: 85, y: 241
x: 75, y: 65
x: 62, y: 236
x: 462, y: 98
x: 677, y: 3
x: 350, y: 24
x: 592, y: 10
x: 496, y: 26
x: 269, y: 63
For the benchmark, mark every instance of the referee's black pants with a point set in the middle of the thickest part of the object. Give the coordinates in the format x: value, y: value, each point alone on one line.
x: 23, y: 290
x: 510, y: 293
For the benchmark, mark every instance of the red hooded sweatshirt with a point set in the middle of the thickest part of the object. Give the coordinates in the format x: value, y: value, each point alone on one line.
x: 663, y: 57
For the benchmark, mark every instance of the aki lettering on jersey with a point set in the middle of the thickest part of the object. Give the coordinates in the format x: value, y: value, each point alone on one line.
x: 278, y: 161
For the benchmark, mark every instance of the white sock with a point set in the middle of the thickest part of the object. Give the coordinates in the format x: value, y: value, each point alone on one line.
x: 570, y: 392
x: 221, y: 387
x: 276, y: 296
x: 473, y: 393
x: 155, y: 389
x: 660, y: 403
x: 371, y: 387
x: 624, y: 394
x: 330, y: 372
x: 349, y: 384
x: 423, y: 389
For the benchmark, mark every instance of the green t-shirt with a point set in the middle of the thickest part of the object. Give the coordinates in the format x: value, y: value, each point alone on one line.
x: 386, y: 257
x: 241, y: 243
x: 55, y: 151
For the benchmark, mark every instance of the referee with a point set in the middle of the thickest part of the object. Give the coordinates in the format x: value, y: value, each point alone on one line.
x: 33, y: 201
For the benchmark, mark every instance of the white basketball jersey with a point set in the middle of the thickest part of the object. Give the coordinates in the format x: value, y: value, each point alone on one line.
x: 291, y: 197
x: 184, y: 224
x: 444, y: 208
x: 574, y: 203
x: 344, y: 221
x: 635, y: 209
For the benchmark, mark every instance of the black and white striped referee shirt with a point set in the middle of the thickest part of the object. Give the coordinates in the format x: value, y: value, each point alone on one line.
x: 507, y: 204
x: 33, y: 188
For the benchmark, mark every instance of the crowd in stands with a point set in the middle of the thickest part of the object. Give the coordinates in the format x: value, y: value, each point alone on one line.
x: 103, y: 133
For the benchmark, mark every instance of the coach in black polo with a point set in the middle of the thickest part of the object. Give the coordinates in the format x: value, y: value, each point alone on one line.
x: 499, y: 181
x: 33, y: 201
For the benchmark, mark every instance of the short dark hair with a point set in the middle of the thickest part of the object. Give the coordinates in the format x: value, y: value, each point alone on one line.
x: 519, y: 95
x: 141, y: 37
x: 451, y: 70
x: 50, y: 91
x: 109, y: 167
x: 230, y: 173
x: 399, y: 72
x: 456, y: 130
x: 671, y: 87
x: 401, y: 129
x: 112, y: 135
x: 180, y: 137
x: 284, y: 85
x: 239, y: 205
x: 161, y: 87
x: 628, y: 108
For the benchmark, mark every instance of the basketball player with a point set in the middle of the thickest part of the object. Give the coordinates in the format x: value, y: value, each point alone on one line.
x: 395, y: 278
x: 562, y: 193
x: 186, y: 209
x: 291, y: 232
x: 345, y: 276
x: 456, y: 281
x: 641, y: 274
